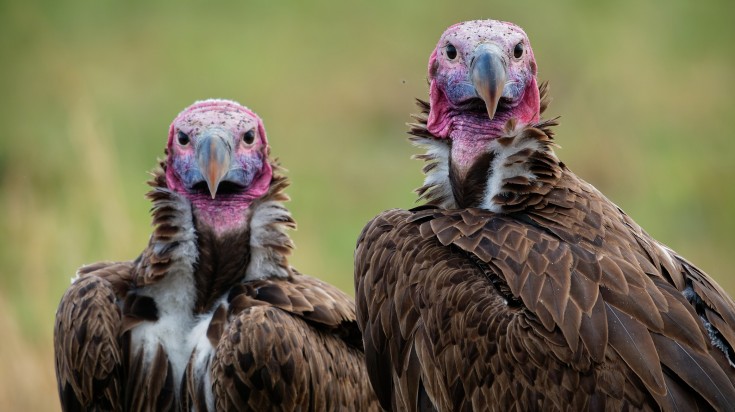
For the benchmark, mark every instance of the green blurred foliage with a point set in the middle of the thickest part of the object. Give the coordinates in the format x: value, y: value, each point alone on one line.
x: 89, y: 88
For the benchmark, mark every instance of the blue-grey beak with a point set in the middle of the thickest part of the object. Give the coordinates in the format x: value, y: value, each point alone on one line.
x: 214, y: 156
x: 488, y: 75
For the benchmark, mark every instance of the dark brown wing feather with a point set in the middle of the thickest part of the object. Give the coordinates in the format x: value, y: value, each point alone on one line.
x: 552, y: 308
x: 444, y: 314
x: 149, y: 385
x: 290, y: 344
x: 320, y: 304
x: 432, y: 319
x: 87, y: 344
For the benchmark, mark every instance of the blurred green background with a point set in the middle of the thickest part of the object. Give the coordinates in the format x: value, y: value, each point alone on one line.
x: 89, y: 88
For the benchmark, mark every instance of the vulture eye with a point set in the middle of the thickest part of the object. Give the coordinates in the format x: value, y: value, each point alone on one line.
x: 451, y: 52
x: 249, y: 136
x: 518, y: 51
x: 182, y: 137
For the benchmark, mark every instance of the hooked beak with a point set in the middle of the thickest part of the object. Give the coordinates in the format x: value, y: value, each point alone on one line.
x: 488, y: 75
x: 214, y: 156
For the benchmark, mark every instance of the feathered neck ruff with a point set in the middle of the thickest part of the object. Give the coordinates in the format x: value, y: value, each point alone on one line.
x: 258, y: 250
x: 515, y: 172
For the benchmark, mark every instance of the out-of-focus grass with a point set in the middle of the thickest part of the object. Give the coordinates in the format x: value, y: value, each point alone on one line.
x: 88, y: 90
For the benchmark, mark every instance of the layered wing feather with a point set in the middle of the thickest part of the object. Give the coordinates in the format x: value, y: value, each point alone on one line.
x: 434, y: 322
x: 87, y: 339
x: 481, y: 309
x: 282, y: 344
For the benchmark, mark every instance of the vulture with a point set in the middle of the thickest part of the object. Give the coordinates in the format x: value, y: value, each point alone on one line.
x: 517, y: 285
x: 210, y: 316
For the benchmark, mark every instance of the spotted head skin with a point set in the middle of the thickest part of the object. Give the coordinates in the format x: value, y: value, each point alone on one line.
x: 482, y: 73
x: 218, y: 159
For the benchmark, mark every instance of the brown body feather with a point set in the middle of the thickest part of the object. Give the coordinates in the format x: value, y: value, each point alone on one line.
x: 555, y: 300
x: 87, y: 339
x: 274, y: 344
x: 289, y: 344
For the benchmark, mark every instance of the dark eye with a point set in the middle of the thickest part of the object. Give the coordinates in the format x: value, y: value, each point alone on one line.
x: 518, y: 51
x: 182, y: 137
x: 249, y: 136
x: 451, y: 52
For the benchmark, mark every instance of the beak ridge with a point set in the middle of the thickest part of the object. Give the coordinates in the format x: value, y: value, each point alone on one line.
x: 488, y: 75
x: 214, y: 158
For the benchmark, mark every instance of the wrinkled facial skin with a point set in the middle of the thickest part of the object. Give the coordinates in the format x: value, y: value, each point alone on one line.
x: 215, y: 146
x: 473, y: 61
x: 452, y: 74
x: 230, y: 128
x: 218, y: 159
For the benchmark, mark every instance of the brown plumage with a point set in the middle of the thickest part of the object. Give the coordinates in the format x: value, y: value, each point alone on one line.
x: 209, y: 320
x: 273, y: 314
x: 541, y: 294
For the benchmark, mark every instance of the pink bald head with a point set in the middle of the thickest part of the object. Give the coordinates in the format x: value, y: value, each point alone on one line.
x: 479, y: 69
x: 210, y: 111
x: 218, y: 159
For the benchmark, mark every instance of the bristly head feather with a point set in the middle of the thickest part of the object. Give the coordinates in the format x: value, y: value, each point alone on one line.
x: 270, y: 245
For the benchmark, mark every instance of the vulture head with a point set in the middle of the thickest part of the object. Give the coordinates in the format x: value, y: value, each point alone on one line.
x: 482, y: 74
x: 217, y: 157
